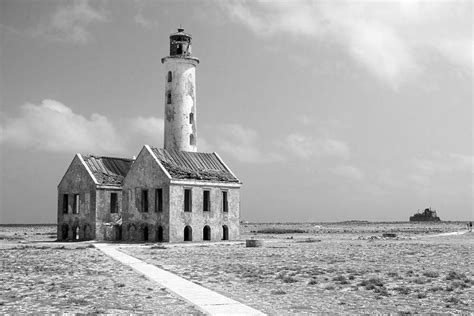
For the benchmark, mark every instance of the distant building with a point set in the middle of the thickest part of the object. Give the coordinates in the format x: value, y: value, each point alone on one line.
x: 173, y: 194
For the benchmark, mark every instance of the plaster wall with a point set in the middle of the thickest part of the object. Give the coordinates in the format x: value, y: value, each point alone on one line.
x: 178, y: 127
x: 197, y: 218
x: 76, y: 180
x: 105, y: 226
x: 145, y: 174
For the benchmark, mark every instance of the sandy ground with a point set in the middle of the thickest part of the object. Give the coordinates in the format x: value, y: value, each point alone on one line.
x: 73, y: 278
x: 339, y: 268
x: 348, y: 270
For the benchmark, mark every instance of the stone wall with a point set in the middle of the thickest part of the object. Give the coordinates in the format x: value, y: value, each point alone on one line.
x: 138, y: 225
x: 197, y: 218
x: 80, y: 226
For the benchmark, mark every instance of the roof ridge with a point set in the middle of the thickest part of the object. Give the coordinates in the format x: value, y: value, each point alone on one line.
x: 108, y: 157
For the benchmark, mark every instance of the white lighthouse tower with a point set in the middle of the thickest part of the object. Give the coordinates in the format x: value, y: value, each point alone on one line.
x: 180, y: 94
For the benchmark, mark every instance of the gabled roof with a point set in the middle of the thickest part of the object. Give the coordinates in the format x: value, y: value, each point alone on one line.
x: 194, y: 165
x: 108, y: 170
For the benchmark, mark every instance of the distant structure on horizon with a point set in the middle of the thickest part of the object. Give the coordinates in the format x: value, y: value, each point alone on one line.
x: 169, y: 194
x: 427, y: 215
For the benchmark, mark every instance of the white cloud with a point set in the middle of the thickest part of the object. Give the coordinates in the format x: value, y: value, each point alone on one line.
x: 390, y: 39
x: 70, y: 22
x: 144, y: 22
x: 243, y: 144
x: 349, y: 171
x: 306, y: 147
x: 54, y: 127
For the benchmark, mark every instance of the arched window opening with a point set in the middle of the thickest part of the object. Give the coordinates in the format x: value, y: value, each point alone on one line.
x: 188, y: 233
x: 168, y: 97
x: 159, y: 234
x: 170, y: 76
x: 206, y: 233
x: 64, y: 232
x: 76, y: 233
x: 225, y: 232
x: 191, y: 118
x: 145, y: 233
x: 180, y: 49
x: 131, y: 232
x: 192, y: 140
x: 86, y: 231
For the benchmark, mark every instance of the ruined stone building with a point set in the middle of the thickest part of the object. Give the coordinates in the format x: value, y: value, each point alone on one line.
x: 169, y: 194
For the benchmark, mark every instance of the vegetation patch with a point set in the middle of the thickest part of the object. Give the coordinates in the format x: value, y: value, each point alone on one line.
x: 279, y: 231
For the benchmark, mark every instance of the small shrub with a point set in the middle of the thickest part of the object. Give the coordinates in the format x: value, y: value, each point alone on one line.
x: 371, y: 281
x: 402, y: 290
x: 289, y: 279
x: 393, y: 274
x: 421, y: 295
x: 410, y: 273
x: 453, y: 299
x: 420, y: 280
x: 280, y: 231
x: 381, y: 291
x: 459, y: 284
x: 435, y: 289
x: 453, y: 275
x: 312, y: 282
x: 431, y: 274
x: 278, y: 292
x: 351, y: 277
x: 330, y: 287
x: 341, y: 279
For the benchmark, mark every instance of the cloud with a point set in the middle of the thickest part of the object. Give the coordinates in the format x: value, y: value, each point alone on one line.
x: 392, y: 40
x: 348, y: 171
x: 242, y: 143
x: 144, y: 22
x: 306, y: 147
x: 53, y: 127
x: 70, y: 22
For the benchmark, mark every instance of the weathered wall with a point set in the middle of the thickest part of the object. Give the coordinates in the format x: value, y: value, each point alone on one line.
x: 178, y: 127
x: 144, y: 174
x: 76, y: 181
x: 106, y: 226
x: 197, y: 219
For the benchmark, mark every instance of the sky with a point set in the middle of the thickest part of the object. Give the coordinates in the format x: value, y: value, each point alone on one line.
x: 325, y: 110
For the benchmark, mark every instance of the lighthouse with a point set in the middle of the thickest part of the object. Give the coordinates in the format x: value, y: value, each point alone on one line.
x: 180, y: 94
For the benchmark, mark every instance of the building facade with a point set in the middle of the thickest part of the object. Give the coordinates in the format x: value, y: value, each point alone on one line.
x: 169, y: 194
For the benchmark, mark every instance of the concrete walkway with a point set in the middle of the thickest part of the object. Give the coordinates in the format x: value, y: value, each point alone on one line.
x: 204, y: 299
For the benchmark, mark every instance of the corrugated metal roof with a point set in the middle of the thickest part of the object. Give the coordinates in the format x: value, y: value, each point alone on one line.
x: 193, y: 165
x: 108, y: 170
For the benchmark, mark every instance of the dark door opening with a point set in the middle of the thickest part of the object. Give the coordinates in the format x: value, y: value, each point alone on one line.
x: 159, y: 234
x: 188, y: 233
x: 145, y: 233
x: 206, y: 233
x: 225, y: 233
x: 64, y: 232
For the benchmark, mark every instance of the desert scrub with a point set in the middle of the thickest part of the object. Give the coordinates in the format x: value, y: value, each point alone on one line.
x: 330, y: 287
x: 278, y: 292
x: 402, y: 290
x: 421, y: 295
x: 341, y: 279
x: 285, y: 278
x: 312, y: 281
x: 431, y: 274
x: 371, y: 283
x: 420, y: 280
x: 279, y: 231
x: 392, y: 274
x: 453, y: 275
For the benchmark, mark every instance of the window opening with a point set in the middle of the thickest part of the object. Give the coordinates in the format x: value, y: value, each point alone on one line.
x: 168, y: 98
x: 75, y: 209
x: 65, y: 203
x: 113, y: 203
x: 187, y: 200
x: 225, y: 203
x: 145, y: 201
x: 76, y: 233
x: 192, y: 140
x: 159, y: 200
x: 191, y: 118
x: 65, y: 232
x: 206, y: 201
x: 170, y: 76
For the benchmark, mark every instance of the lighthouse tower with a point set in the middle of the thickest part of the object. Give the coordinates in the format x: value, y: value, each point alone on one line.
x: 180, y: 94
